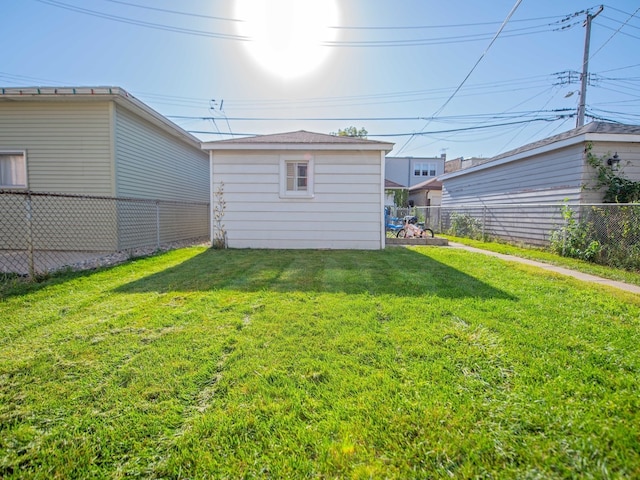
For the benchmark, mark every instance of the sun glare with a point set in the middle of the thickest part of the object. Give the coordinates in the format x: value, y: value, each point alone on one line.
x: 288, y: 37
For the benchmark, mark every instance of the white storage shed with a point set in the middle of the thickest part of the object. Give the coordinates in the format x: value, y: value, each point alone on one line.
x: 299, y: 190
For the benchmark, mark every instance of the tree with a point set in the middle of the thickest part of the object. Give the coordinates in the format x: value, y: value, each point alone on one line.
x: 351, y: 132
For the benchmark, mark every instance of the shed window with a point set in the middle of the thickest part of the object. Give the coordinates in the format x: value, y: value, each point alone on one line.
x: 422, y: 169
x: 296, y: 176
x: 13, y: 170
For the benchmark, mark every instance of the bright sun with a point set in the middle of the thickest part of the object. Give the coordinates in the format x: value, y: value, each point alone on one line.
x: 287, y: 36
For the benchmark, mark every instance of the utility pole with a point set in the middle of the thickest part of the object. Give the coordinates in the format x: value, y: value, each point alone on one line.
x: 585, y: 68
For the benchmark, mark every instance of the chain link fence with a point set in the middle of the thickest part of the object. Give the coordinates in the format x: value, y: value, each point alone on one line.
x: 608, y: 234
x: 44, y: 232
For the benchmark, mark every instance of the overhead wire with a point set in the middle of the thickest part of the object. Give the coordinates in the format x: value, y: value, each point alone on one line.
x: 236, y: 37
x: 348, y: 101
x: 615, y: 33
x: 504, y: 23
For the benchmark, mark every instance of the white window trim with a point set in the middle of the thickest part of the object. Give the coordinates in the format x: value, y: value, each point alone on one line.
x: 429, y: 165
x: 284, y: 160
x: 24, y: 171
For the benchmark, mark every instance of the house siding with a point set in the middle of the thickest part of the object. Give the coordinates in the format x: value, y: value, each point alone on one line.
x: 151, y: 164
x: 68, y: 144
x: 547, y: 178
x: 146, y: 157
x: 68, y: 151
x: 345, y: 212
x: 629, y: 154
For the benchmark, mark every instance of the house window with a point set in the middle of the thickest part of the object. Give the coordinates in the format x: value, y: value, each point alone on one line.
x: 13, y: 170
x: 296, y: 176
x: 423, y: 169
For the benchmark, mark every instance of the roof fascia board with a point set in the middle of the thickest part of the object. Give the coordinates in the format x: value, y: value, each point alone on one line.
x: 585, y: 137
x: 143, y: 110
x: 298, y: 146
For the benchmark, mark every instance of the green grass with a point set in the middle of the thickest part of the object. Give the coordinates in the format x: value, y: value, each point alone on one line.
x: 402, y: 363
x: 549, y: 257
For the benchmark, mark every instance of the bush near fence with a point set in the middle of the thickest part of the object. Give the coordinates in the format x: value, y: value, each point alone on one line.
x: 44, y: 232
x: 608, y: 234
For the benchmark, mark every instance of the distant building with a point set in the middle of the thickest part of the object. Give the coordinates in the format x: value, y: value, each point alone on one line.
x: 427, y: 193
x: 410, y: 171
x: 462, y: 163
x: 389, y: 190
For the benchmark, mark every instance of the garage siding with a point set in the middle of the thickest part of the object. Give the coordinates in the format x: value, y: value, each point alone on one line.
x: 345, y: 212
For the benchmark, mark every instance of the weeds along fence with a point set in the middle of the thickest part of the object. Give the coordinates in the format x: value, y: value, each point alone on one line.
x: 608, y: 234
x: 44, y: 232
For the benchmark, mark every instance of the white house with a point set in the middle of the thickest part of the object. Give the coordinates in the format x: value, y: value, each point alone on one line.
x: 410, y: 171
x: 299, y: 190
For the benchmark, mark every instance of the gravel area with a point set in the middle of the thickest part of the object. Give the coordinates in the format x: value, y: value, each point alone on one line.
x: 51, y: 261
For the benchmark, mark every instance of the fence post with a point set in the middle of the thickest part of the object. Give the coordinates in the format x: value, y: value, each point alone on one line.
x: 484, y: 221
x: 564, y: 235
x: 158, y: 224
x: 32, y: 267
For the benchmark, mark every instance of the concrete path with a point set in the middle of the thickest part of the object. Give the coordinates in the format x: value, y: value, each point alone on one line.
x: 553, y: 268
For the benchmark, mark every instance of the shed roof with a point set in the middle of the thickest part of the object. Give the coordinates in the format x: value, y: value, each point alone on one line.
x: 298, y: 140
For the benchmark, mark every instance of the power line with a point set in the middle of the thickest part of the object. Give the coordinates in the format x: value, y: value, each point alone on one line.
x: 336, y: 27
x: 616, y: 32
x: 504, y: 23
x: 518, y: 114
x: 227, y: 36
x: 427, y: 133
x: 175, y: 12
x: 141, y: 23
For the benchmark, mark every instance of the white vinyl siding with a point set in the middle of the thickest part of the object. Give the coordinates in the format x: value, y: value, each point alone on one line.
x: 345, y: 211
x: 68, y: 144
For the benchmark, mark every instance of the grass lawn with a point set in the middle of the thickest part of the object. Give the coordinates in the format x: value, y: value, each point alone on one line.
x: 402, y: 363
x: 544, y: 255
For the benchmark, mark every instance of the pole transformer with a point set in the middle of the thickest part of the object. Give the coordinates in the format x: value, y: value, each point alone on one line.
x: 584, y: 77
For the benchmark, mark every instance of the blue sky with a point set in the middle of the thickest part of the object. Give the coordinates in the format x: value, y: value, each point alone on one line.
x: 391, y: 66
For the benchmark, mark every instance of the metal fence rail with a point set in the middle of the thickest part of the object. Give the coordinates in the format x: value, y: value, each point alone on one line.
x: 604, y: 233
x: 44, y: 232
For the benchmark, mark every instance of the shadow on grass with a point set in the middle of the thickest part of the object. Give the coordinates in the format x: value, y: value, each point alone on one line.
x: 397, y: 271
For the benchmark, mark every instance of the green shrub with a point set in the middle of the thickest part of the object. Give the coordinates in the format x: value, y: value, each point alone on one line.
x: 465, y: 225
x: 575, y: 239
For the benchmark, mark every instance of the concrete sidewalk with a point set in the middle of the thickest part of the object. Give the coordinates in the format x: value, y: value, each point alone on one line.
x: 553, y: 268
